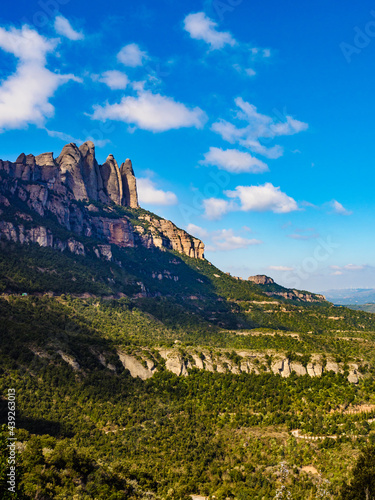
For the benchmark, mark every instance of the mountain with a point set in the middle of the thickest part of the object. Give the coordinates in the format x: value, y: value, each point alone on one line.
x: 143, y: 371
x: 61, y: 202
x: 348, y: 296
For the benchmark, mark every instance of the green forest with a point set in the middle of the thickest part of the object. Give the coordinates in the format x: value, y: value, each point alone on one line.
x: 88, y: 429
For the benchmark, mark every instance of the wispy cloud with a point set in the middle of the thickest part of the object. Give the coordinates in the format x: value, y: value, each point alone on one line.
x: 226, y: 239
x: 281, y: 268
x: 339, y: 209
x: 349, y: 267
x: 223, y: 239
x: 304, y: 234
x: 201, y: 27
x: 257, y: 126
x: 64, y: 28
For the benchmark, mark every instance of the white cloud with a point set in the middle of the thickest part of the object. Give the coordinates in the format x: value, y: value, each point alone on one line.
x: 149, y: 193
x: 339, y: 209
x: 201, y: 27
x: 281, y: 268
x: 250, y: 72
x: 197, y: 231
x: 347, y: 267
x: 263, y: 198
x: 304, y: 234
x: 24, y: 96
x: 234, y: 161
x: 114, y: 79
x: 152, y: 112
x: 63, y: 136
x: 258, y: 126
x: 225, y: 239
x: 64, y: 28
x: 131, y: 55
x: 353, y: 267
x: 215, y: 208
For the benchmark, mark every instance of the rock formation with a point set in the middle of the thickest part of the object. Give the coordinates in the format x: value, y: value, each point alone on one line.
x: 261, y: 279
x: 129, y: 185
x: 77, y: 170
x: 55, y: 188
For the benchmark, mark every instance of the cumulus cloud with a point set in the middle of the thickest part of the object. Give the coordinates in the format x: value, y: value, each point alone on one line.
x: 339, y: 209
x: 233, y: 160
x: 201, y: 27
x: 258, y: 126
x: 215, y: 208
x: 263, y: 198
x: 131, y: 55
x: 114, y: 79
x: 152, y: 112
x: 64, y: 28
x: 280, y: 268
x: 25, y: 95
x: 148, y: 193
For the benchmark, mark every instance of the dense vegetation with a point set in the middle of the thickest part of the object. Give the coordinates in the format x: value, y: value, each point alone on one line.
x: 101, y: 434
x: 88, y: 430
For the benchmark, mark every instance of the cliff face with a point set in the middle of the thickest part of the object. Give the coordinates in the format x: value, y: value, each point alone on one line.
x: 86, y: 199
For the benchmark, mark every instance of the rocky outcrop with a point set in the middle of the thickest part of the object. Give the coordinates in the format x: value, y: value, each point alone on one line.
x: 261, y: 279
x: 40, y: 235
x: 91, y: 172
x: 136, y: 367
x: 163, y: 233
x: 57, y: 187
x: 180, y: 363
x: 129, y: 185
x: 297, y: 296
x: 284, y: 293
x: 77, y: 170
x: 112, y: 180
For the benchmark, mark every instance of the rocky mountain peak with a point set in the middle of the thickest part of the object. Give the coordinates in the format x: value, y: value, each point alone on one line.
x: 77, y: 170
x: 53, y: 186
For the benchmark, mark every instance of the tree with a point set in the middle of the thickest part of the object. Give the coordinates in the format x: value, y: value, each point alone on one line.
x: 362, y: 485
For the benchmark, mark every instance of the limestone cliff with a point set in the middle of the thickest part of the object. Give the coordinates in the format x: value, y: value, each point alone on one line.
x: 84, y: 198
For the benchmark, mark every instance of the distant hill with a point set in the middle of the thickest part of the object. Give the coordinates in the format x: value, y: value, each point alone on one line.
x: 347, y: 296
x: 363, y: 307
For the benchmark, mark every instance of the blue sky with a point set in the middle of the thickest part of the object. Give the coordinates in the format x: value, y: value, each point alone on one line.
x: 250, y: 124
